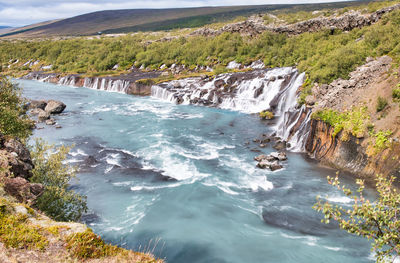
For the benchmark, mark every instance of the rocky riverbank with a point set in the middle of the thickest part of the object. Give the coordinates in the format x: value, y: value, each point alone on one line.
x: 27, y: 235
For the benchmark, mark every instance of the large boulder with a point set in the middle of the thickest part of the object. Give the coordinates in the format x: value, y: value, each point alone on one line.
x: 21, y: 189
x: 55, y: 107
x: 43, y: 115
x: 14, y: 145
x: 37, y: 104
x: 18, y: 158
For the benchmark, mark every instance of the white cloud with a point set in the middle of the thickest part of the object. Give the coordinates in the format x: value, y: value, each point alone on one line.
x: 24, y: 12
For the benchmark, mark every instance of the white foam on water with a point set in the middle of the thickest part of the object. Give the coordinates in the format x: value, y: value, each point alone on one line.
x: 333, y: 248
x: 156, y: 187
x: 223, y: 186
x: 113, y: 159
x: 72, y: 161
x: 256, y: 183
x: 78, y: 152
x: 340, y: 199
x: 108, y: 169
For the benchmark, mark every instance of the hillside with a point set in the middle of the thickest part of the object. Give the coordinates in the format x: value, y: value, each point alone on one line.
x: 133, y: 20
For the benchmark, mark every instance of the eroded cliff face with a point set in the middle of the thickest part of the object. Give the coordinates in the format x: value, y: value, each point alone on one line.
x: 377, y: 78
x: 350, y: 155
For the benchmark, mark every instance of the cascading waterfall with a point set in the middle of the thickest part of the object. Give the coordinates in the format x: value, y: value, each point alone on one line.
x: 248, y: 92
x: 110, y: 85
x: 106, y: 84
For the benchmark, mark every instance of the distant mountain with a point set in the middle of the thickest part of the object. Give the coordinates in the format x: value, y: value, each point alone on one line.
x: 5, y: 29
x: 133, y: 20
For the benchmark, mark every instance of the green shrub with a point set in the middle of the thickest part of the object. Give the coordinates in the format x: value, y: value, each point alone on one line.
x: 382, y: 140
x: 375, y: 219
x: 88, y: 245
x: 267, y: 115
x: 15, y: 232
x: 57, y: 201
x: 354, y: 121
x: 381, y: 104
x: 396, y: 94
x: 13, y: 120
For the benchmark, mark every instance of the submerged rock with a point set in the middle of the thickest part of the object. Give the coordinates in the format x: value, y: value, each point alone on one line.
x: 280, y: 145
x: 50, y: 122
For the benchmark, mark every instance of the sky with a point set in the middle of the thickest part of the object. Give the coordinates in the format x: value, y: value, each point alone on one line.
x: 26, y: 12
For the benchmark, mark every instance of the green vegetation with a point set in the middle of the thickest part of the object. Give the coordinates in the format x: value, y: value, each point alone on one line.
x: 381, y: 104
x: 354, y: 121
x: 266, y: 115
x: 88, y: 245
x: 305, y: 90
x: 57, y: 201
x: 396, y: 93
x: 13, y: 121
x: 15, y: 231
x: 325, y: 55
x: 381, y: 141
x: 377, y: 220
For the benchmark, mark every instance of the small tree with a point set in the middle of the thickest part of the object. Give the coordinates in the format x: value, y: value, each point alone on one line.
x: 13, y: 120
x: 58, y: 200
x: 377, y: 220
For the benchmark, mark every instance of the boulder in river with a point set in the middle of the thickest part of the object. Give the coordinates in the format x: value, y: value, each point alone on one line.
x: 37, y: 104
x: 281, y: 156
x: 55, y: 107
x: 271, y: 161
x: 43, y: 115
x: 50, y: 122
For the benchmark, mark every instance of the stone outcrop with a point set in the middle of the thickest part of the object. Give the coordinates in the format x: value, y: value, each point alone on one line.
x: 55, y: 107
x: 271, y: 161
x: 22, y: 190
x: 331, y: 95
x: 15, y: 170
x: 255, y: 25
x: 16, y: 157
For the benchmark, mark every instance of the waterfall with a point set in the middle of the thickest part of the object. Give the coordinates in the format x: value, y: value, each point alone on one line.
x: 69, y: 80
x: 249, y: 92
x: 105, y: 84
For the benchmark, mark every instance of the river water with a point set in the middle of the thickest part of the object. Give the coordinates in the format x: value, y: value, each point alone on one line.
x: 180, y: 181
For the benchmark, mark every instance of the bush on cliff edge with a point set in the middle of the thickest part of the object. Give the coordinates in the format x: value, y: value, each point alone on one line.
x: 58, y: 200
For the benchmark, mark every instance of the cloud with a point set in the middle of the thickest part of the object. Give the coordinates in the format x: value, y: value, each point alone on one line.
x: 25, y: 12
